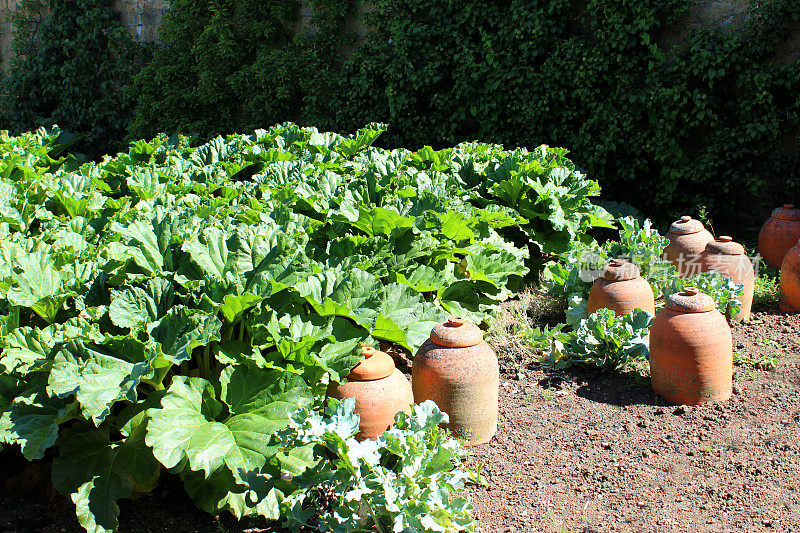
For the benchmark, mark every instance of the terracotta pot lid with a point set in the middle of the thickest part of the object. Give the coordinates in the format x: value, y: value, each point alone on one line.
x: 376, y: 365
x: 456, y: 333
x: 690, y: 300
x: 686, y: 225
x: 620, y: 270
x: 787, y: 212
x: 724, y: 245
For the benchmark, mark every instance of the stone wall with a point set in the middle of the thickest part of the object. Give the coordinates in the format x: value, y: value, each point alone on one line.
x: 143, y: 17
x: 6, y: 6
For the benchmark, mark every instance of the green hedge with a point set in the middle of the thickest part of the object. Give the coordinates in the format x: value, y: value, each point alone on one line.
x: 73, y: 67
x: 710, y: 121
x: 666, y: 128
x: 238, y: 65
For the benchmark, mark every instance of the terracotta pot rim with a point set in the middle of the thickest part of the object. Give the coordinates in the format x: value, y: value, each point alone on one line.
x: 456, y: 332
x: 690, y: 300
x: 375, y: 365
x: 786, y: 212
x: 621, y: 269
x: 724, y: 245
x: 686, y: 225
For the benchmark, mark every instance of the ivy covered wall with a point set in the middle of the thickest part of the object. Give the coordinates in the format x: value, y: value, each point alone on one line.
x: 142, y: 18
x: 672, y: 105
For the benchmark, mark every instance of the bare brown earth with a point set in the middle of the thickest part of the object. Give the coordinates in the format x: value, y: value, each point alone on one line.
x: 581, y: 451
x: 576, y: 451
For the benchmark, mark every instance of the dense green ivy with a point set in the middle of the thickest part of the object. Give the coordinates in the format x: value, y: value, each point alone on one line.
x: 74, y: 65
x: 712, y: 120
x: 233, y: 65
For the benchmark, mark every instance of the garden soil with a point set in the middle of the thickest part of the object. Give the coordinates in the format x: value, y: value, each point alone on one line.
x: 575, y: 451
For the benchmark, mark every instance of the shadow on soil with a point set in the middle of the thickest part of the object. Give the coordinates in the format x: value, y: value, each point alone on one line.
x: 620, y: 389
x: 29, y: 503
x: 613, y: 388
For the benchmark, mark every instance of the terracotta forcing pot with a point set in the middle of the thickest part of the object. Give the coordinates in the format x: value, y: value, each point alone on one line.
x: 729, y: 259
x: 789, y: 296
x: 457, y: 369
x: 687, y: 240
x: 779, y: 233
x: 621, y: 289
x: 380, y: 390
x: 691, y: 351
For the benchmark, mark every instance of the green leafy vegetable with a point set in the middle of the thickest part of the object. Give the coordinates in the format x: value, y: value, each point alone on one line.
x: 170, y: 306
x: 402, y: 482
x: 605, y: 340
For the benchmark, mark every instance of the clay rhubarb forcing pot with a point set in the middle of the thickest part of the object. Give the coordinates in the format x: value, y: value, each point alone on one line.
x: 789, y: 296
x: 779, y: 233
x: 457, y: 369
x: 729, y: 259
x: 380, y: 391
x: 687, y: 240
x: 691, y: 351
x: 621, y: 289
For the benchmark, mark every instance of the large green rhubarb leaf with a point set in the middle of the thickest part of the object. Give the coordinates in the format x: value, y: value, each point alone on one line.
x: 38, y: 285
x: 137, y: 305
x: 423, y: 278
x: 495, y: 267
x: 144, y: 247
x: 25, y: 350
x: 98, y: 379
x: 336, y: 292
x: 32, y: 419
x: 405, y: 318
x: 180, y: 331
x: 279, y: 268
x: 469, y: 299
x: 97, y: 472
x: 192, y: 425
x: 329, y: 344
x: 382, y: 221
x: 209, y: 251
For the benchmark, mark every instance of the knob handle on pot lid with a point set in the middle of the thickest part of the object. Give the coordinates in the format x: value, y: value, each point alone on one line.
x: 375, y: 365
x: 457, y: 332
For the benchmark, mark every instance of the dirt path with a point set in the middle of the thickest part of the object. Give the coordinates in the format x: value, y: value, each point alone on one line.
x: 579, y: 451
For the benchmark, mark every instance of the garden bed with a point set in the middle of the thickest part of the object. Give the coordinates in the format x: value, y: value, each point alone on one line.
x: 582, y: 451
x: 576, y: 451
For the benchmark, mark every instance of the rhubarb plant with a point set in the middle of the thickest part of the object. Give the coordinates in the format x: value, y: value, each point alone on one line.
x: 168, y: 308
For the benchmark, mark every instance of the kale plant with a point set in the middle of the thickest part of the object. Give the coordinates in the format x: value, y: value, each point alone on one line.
x: 604, y: 340
x: 403, y: 482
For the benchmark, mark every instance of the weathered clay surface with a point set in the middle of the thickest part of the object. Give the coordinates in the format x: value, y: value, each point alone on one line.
x: 462, y: 378
x: 729, y: 259
x: 621, y: 289
x: 380, y: 391
x: 789, y: 296
x: 779, y: 234
x: 687, y: 240
x: 691, y: 351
